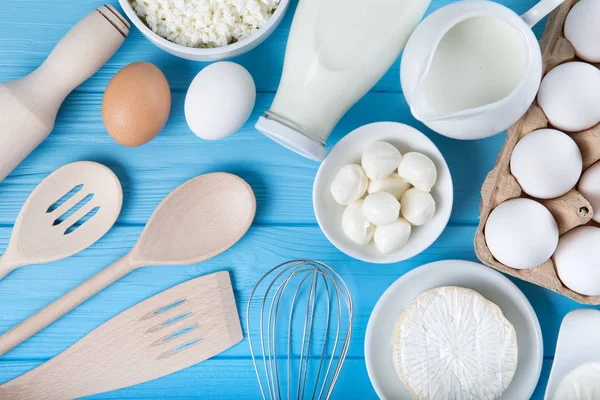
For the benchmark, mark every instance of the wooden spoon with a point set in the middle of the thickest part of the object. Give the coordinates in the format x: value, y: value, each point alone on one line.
x: 47, y: 229
x: 197, y: 221
x: 173, y: 330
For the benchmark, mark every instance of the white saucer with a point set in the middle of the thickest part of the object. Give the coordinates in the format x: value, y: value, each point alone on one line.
x: 577, y: 344
x: 491, y: 284
x: 349, y: 150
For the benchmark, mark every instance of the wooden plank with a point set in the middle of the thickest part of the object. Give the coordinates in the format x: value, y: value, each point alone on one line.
x: 540, y: 389
x: 217, y: 379
x: 21, y: 53
x: 281, y: 179
x: 31, y: 288
x: 283, y: 183
x: 220, y: 378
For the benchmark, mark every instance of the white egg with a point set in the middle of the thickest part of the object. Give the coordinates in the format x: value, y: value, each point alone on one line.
x: 418, y: 206
x: 521, y: 233
x: 583, y: 30
x: 582, y: 383
x: 355, y: 225
x: 380, y: 159
x: 547, y: 163
x: 418, y: 170
x: 219, y: 100
x: 392, y: 237
x: 569, y: 95
x: 393, y: 184
x: 577, y: 260
x: 349, y: 184
x: 589, y: 187
x: 381, y: 208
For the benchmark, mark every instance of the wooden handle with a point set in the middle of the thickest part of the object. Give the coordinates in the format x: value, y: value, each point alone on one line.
x: 82, y: 52
x: 6, y: 267
x: 69, y: 301
x: 28, y: 106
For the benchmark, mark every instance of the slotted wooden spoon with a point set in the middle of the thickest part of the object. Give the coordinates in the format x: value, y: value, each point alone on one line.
x: 173, y: 330
x: 47, y: 230
x: 199, y: 220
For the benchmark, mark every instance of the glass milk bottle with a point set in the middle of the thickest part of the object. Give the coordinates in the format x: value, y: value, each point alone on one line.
x: 336, y: 52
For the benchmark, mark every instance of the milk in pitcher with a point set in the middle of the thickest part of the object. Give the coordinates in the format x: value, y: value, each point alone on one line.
x: 481, y: 60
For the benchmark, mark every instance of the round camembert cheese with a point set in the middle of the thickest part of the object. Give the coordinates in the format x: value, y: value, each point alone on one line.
x: 452, y: 344
x: 583, y: 383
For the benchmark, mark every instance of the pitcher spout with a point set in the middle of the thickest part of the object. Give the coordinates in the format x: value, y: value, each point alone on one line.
x: 423, y: 110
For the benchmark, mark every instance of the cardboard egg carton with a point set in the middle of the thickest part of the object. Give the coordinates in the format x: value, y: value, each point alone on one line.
x: 570, y: 210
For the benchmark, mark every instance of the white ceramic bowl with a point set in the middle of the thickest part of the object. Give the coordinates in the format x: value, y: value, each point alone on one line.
x: 212, y: 54
x: 490, y: 284
x: 577, y: 344
x: 349, y: 150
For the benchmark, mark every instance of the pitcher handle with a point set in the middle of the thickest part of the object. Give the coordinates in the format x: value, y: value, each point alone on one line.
x: 540, y: 10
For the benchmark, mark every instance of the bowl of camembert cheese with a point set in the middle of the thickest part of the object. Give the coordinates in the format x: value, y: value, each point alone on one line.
x: 453, y: 329
x: 205, y: 31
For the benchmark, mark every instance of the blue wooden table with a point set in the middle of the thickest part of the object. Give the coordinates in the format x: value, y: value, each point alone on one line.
x: 285, y: 226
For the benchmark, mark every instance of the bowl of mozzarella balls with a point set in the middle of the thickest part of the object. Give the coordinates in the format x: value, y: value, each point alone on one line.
x: 383, y: 194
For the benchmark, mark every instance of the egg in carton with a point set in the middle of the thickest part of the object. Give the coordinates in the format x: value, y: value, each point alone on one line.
x: 570, y: 210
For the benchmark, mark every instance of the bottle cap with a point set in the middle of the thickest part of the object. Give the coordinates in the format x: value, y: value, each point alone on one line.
x: 291, y: 138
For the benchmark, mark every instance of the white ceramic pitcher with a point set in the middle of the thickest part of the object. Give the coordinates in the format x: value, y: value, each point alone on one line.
x: 472, y: 69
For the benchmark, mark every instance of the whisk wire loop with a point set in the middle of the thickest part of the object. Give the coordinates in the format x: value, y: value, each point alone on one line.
x: 323, y: 298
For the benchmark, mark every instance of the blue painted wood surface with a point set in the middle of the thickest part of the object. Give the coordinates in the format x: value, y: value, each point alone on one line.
x: 285, y: 226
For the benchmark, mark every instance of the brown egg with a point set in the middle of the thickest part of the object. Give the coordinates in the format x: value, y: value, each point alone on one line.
x: 136, y: 104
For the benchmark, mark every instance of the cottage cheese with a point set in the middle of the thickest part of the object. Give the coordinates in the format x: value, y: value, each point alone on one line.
x: 204, y: 23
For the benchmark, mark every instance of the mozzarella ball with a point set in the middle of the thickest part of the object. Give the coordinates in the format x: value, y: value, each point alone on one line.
x: 219, y: 100
x: 393, y: 185
x: 547, y: 163
x: 418, y: 206
x: 521, y: 233
x: 380, y: 159
x: 577, y: 260
x: 349, y: 184
x: 589, y: 187
x: 583, y: 30
x: 569, y: 95
x: 392, y: 237
x: 418, y: 170
x: 381, y: 208
x: 355, y: 225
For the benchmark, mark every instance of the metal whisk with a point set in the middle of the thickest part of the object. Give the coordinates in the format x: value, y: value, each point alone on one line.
x: 305, y: 309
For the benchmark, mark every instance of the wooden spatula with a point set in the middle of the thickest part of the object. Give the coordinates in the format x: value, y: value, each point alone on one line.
x: 66, y: 213
x: 171, y: 331
x: 199, y: 220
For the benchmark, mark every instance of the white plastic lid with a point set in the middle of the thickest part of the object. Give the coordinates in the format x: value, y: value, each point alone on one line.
x: 290, y: 138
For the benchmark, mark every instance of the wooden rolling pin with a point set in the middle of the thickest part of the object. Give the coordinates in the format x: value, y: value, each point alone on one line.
x: 28, y: 106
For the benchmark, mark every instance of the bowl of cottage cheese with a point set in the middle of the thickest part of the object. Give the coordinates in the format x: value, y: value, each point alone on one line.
x: 206, y: 30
